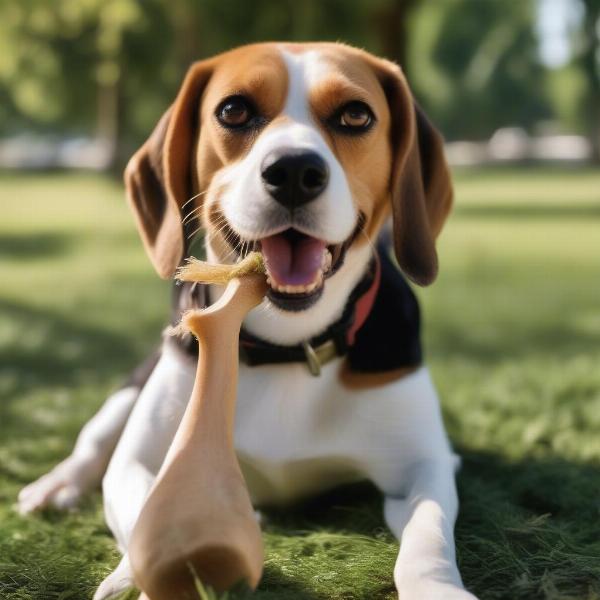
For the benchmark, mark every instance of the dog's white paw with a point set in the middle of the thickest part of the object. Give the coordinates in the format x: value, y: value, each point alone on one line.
x: 418, y: 589
x: 62, y: 487
x: 118, y: 581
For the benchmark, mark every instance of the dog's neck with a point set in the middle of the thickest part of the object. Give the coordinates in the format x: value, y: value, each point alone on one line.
x: 288, y: 328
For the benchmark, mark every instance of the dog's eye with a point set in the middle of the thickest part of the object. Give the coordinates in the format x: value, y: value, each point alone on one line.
x: 234, y: 112
x: 355, y: 115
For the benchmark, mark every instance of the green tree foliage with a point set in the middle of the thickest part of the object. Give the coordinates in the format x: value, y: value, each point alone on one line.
x: 111, y: 67
x: 475, y: 65
x: 71, y: 65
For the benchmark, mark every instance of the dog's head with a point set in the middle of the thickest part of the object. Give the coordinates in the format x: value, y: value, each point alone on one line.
x: 300, y: 151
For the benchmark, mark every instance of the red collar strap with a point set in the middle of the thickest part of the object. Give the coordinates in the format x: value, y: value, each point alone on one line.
x: 364, y: 303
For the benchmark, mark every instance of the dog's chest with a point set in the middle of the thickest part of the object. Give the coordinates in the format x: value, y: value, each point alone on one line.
x: 294, y: 433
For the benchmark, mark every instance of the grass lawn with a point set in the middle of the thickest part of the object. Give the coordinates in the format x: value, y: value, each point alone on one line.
x: 512, y: 331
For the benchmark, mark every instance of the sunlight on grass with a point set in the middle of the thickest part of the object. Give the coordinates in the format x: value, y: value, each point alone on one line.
x: 512, y: 332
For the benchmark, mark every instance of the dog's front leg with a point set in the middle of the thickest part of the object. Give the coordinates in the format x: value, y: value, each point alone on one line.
x: 145, y: 441
x: 84, y: 468
x: 140, y: 454
x: 423, y: 521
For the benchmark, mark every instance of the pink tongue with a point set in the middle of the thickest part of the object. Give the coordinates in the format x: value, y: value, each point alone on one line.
x: 293, y: 262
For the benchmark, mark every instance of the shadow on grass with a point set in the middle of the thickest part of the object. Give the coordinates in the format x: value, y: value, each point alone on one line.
x: 495, y: 211
x: 529, y: 528
x: 276, y: 585
x: 510, y: 340
x: 355, y: 508
x: 40, y: 245
x: 54, y: 351
x: 63, y: 348
x: 526, y: 529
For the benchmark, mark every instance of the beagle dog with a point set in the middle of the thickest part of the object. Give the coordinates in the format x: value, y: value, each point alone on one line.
x: 302, y: 152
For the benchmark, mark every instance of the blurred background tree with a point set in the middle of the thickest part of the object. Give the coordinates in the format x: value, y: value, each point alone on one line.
x: 475, y: 66
x: 588, y: 61
x: 108, y: 68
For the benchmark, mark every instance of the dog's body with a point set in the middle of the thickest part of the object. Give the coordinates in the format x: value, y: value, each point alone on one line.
x: 299, y: 151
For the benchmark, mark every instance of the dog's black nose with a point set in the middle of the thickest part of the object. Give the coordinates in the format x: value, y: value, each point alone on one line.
x: 294, y: 177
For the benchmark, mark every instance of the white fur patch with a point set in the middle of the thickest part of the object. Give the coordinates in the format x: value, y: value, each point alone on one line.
x: 305, y: 70
x: 247, y: 205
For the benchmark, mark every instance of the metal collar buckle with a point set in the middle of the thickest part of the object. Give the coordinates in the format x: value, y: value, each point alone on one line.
x: 317, y: 357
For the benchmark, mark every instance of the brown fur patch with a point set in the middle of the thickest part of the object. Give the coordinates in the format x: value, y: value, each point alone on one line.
x: 256, y: 72
x: 362, y: 381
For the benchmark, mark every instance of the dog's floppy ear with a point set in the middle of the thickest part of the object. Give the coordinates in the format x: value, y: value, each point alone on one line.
x: 158, y: 177
x: 421, y: 187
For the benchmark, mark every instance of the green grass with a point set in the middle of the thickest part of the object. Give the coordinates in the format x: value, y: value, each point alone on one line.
x: 512, y: 331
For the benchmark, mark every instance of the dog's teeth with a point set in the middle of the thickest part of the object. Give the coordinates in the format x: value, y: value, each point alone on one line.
x: 296, y: 289
x: 326, y: 263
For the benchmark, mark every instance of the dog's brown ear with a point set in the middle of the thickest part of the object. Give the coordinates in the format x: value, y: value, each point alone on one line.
x: 421, y: 187
x: 158, y: 177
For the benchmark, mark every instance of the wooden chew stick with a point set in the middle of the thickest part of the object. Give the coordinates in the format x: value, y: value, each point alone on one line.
x: 198, y: 518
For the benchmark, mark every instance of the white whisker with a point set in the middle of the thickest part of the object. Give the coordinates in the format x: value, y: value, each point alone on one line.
x: 193, y: 198
x: 190, y: 215
x: 191, y: 235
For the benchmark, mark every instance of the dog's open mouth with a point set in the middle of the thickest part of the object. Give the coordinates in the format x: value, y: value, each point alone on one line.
x: 297, y: 265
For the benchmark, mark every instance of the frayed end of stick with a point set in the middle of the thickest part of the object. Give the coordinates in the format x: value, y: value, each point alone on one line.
x: 183, y: 327
x: 203, y: 272
x: 199, y: 271
x: 179, y: 330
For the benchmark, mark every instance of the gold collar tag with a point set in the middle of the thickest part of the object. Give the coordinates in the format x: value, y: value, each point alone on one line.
x: 317, y: 357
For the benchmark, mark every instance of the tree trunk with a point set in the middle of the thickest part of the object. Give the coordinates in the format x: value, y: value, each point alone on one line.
x: 595, y: 136
x: 591, y: 69
x: 391, y: 23
x: 107, y: 120
x: 592, y: 100
x: 187, y: 27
